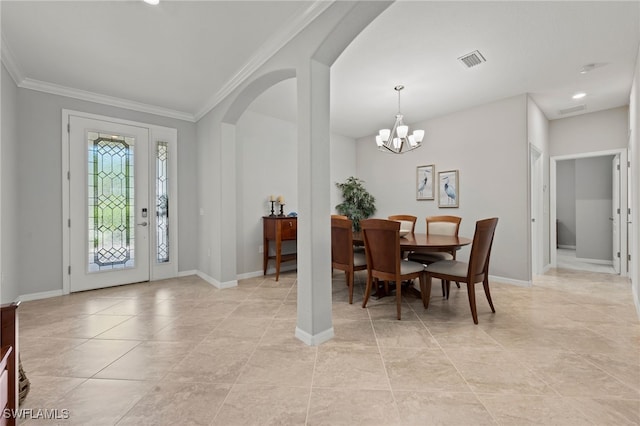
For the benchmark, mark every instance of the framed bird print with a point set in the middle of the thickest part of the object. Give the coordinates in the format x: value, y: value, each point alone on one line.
x: 448, y: 189
x: 424, y: 182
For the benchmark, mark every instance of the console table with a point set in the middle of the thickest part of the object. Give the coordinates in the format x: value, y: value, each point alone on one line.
x: 278, y: 229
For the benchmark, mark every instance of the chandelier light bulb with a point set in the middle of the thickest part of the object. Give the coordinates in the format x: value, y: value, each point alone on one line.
x: 379, y: 140
x: 418, y: 135
x: 384, y: 134
x: 402, y: 131
x: 396, y: 143
x: 412, y: 140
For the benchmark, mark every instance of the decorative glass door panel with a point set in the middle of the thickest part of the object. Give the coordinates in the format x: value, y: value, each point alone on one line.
x: 162, y: 202
x: 111, y: 202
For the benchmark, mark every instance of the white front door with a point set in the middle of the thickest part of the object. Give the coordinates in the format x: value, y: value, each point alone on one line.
x: 108, y: 203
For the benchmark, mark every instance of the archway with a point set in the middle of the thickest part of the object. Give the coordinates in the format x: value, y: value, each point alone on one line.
x: 324, y: 39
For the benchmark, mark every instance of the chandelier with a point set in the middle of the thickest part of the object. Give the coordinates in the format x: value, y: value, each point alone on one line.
x: 398, y: 140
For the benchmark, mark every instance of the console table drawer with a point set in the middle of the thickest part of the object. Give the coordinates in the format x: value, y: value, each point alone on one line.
x: 289, y: 229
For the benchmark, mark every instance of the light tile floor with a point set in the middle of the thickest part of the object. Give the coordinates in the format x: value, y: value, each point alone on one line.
x: 565, y: 351
x: 566, y: 259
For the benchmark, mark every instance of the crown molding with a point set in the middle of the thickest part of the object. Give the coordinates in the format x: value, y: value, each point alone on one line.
x: 10, y: 63
x: 266, y: 51
x: 84, y: 95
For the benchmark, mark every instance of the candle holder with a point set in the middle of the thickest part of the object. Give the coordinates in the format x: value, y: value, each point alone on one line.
x: 273, y: 213
x: 281, y: 210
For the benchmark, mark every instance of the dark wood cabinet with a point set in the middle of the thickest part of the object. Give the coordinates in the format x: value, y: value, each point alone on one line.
x: 9, y: 362
x: 278, y: 229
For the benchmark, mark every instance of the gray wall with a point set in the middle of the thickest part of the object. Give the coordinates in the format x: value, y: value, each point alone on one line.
x: 39, y: 185
x: 593, y: 208
x: 9, y: 190
x: 566, y: 203
x: 488, y: 145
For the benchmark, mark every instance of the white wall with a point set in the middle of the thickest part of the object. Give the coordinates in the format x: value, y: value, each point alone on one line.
x: 39, y: 180
x: 593, y: 132
x: 488, y: 145
x: 267, y: 165
x: 9, y: 190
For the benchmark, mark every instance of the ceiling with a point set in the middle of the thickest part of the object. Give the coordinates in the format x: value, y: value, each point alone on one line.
x: 168, y: 57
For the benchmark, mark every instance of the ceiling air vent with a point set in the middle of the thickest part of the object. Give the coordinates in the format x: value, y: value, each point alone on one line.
x: 472, y: 59
x: 572, y: 109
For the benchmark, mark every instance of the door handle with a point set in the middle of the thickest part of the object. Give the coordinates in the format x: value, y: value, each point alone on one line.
x: 143, y: 224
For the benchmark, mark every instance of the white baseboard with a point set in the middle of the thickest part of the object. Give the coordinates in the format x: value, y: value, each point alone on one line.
x: 564, y: 246
x: 248, y: 275
x: 216, y: 283
x: 187, y: 273
x: 38, y: 296
x: 504, y: 280
x: 595, y: 261
x: 317, y: 339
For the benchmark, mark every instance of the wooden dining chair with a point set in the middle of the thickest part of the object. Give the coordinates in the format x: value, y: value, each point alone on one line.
x: 475, y: 271
x: 382, y: 247
x: 407, y: 223
x: 343, y: 256
x: 439, y: 225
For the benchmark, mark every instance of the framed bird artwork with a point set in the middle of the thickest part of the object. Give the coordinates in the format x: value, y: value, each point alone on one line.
x: 424, y: 182
x: 448, y: 189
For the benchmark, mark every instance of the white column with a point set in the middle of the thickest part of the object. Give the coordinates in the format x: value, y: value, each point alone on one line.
x: 314, y: 324
x: 228, y: 235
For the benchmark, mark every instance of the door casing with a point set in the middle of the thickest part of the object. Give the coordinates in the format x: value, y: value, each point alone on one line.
x: 622, y: 153
x: 156, y: 133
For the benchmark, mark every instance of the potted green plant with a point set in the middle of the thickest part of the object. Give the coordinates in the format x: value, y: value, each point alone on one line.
x: 358, y: 204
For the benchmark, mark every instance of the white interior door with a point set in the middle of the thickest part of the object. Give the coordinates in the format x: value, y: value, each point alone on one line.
x: 615, y: 213
x: 108, y: 203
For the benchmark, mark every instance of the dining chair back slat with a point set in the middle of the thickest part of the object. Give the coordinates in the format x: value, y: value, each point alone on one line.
x: 407, y: 221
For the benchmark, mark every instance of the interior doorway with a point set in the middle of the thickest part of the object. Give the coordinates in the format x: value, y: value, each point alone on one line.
x: 588, y: 204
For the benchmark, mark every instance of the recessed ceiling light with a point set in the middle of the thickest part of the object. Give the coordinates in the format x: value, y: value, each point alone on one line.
x: 579, y: 95
x: 152, y: 2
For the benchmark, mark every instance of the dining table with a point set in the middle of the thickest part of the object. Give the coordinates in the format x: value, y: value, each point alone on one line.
x: 413, y: 241
x: 423, y: 242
